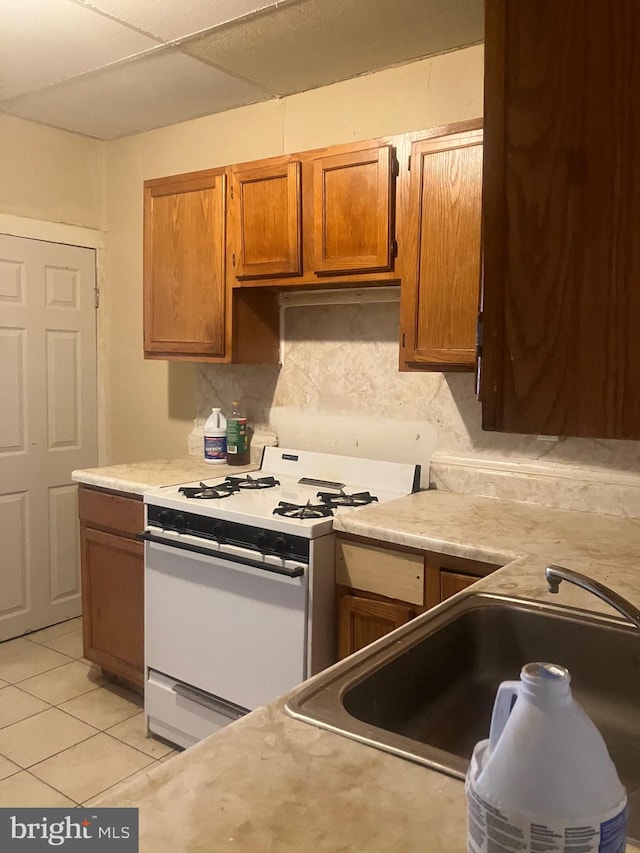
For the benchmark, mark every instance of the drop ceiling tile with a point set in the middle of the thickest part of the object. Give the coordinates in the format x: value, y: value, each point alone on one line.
x: 45, y: 41
x: 310, y: 43
x: 170, y: 21
x: 162, y: 88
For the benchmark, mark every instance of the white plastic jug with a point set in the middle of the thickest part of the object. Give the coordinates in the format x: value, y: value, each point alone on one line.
x: 215, y: 438
x: 543, y: 781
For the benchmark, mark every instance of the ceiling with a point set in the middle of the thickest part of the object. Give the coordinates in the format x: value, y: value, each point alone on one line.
x: 111, y: 68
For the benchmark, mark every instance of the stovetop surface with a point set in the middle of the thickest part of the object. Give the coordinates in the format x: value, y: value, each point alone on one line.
x: 256, y: 506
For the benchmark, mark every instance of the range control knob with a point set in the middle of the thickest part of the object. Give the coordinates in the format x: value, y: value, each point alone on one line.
x: 179, y: 521
x: 164, y: 517
x: 262, y: 540
x: 217, y: 529
x: 280, y: 545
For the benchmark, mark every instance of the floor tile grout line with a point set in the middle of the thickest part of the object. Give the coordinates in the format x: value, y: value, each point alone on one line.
x: 54, y: 754
x: 58, y: 666
x: 53, y: 787
x: 44, y: 645
x: 62, y: 701
x: 122, y: 781
x: 28, y: 716
x: 30, y: 634
x: 130, y: 745
x: 79, y: 719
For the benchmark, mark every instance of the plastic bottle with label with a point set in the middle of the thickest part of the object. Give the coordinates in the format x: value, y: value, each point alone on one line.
x: 215, y: 438
x: 238, y: 452
x: 544, y: 779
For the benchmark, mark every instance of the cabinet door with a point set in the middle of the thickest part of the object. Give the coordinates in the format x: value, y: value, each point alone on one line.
x: 113, y: 603
x: 353, y: 211
x: 184, y: 265
x: 561, y: 219
x: 453, y: 582
x: 441, y: 274
x: 266, y: 205
x: 363, y: 620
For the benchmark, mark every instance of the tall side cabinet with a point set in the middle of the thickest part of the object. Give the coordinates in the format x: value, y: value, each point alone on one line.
x: 184, y: 265
x: 561, y: 218
x: 440, y: 250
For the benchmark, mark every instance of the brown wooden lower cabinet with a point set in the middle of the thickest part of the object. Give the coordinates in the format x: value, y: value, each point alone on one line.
x: 381, y: 587
x: 363, y: 620
x: 453, y: 582
x: 112, y: 561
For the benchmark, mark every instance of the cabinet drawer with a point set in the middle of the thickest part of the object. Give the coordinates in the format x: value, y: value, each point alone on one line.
x: 394, y: 574
x: 110, y: 512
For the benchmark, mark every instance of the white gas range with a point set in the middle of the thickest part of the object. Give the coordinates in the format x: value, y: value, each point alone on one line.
x: 239, y: 583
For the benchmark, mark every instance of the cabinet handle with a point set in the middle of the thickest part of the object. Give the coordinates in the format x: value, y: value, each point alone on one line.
x: 479, y: 334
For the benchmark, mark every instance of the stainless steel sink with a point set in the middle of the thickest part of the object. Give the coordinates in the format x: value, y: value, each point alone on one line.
x: 426, y: 691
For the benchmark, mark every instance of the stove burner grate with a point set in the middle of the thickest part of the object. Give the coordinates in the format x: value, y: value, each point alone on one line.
x: 249, y: 482
x: 342, y: 499
x: 207, y: 493
x: 307, y: 510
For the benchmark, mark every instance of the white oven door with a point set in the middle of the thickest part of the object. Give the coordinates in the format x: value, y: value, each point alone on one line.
x: 232, y: 630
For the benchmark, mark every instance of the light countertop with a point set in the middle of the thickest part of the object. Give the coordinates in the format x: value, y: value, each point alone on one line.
x: 271, y: 783
x: 136, y: 478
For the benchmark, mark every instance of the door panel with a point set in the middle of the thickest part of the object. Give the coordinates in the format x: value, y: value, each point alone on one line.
x: 12, y: 359
x: 48, y: 425
x: 63, y: 542
x: 266, y: 209
x: 13, y: 526
x: 352, y: 211
x: 63, y: 379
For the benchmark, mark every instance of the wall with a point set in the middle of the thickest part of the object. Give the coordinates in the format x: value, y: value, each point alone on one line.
x: 151, y: 404
x: 50, y: 174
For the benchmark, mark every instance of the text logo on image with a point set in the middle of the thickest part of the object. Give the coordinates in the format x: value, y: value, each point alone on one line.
x: 72, y: 830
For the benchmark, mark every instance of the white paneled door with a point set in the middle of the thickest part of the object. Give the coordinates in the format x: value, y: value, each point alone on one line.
x: 48, y: 426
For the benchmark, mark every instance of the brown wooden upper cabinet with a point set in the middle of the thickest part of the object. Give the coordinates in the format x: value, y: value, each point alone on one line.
x: 184, y: 265
x: 352, y: 211
x: 267, y: 219
x: 561, y: 220
x: 440, y: 258
x: 318, y: 217
x: 188, y: 313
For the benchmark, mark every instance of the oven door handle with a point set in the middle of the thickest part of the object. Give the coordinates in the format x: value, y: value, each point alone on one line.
x: 214, y: 703
x: 296, y: 572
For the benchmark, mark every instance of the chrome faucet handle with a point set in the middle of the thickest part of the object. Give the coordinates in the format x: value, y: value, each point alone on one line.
x: 556, y: 574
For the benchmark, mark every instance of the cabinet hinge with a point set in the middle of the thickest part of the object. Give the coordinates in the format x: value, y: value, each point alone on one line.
x: 97, y: 296
x: 409, y: 163
x: 231, y: 190
x: 404, y: 339
x: 394, y: 248
x: 395, y: 166
x: 233, y: 258
x: 479, y: 334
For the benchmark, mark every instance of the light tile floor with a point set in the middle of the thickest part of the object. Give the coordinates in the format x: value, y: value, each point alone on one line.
x: 66, y: 733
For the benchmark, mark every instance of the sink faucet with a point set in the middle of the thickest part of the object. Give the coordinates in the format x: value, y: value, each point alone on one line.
x: 556, y: 574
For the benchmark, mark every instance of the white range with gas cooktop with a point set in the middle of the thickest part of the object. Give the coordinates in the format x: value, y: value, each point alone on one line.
x: 239, y: 583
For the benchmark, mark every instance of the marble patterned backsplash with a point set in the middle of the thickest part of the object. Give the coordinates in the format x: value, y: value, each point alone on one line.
x: 342, y: 361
